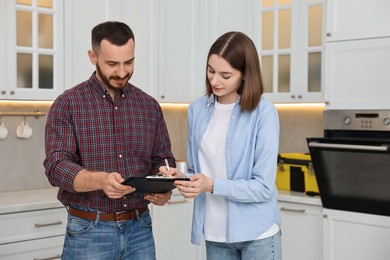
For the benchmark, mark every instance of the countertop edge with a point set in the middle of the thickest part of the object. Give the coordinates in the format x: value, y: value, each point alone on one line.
x: 299, y: 197
x: 41, y: 199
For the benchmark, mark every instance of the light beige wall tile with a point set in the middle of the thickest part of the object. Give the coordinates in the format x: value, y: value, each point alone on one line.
x: 296, y: 124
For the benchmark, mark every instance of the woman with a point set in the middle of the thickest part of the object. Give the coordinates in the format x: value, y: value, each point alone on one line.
x: 232, y: 147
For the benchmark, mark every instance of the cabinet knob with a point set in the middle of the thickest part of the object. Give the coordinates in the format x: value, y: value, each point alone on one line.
x: 300, y: 96
x: 328, y: 34
x: 293, y: 96
x: 325, y: 215
x: 162, y: 96
x: 12, y: 92
x: 2, y: 92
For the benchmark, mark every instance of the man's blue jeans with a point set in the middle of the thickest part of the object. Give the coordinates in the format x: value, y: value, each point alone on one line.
x: 88, y: 239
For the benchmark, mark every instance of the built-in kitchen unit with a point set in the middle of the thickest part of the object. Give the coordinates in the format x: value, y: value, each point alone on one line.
x: 354, y: 59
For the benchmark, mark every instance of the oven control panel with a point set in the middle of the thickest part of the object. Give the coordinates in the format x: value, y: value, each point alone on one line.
x: 372, y: 120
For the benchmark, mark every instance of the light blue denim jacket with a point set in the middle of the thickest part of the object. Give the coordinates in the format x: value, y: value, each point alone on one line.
x: 251, y: 153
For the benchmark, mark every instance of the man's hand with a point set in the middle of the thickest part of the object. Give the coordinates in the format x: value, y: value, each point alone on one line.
x: 159, y: 199
x: 110, y: 183
x: 113, y: 188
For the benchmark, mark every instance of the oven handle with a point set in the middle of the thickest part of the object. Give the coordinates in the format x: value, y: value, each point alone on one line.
x: 383, y: 148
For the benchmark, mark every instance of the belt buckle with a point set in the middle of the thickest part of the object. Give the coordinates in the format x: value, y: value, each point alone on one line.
x: 117, y: 216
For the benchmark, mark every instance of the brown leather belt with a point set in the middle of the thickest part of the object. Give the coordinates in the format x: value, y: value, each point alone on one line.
x: 117, y: 217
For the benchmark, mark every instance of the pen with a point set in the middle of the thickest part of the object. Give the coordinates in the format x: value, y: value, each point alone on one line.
x: 167, y: 164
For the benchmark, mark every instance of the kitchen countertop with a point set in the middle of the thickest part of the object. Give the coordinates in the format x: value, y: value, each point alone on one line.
x: 299, y: 197
x: 18, y: 201
x: 27, y: 200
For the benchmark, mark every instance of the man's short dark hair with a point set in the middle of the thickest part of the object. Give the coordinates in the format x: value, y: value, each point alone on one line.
x: 116, y: 33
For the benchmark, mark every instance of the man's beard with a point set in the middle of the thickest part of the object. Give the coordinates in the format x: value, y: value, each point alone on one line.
x: 106, y: 81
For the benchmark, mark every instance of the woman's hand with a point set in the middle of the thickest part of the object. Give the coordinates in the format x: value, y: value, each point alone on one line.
x: 174, y: 172
x: 198, y: 183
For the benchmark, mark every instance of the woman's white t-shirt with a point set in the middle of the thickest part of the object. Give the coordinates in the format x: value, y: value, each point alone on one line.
x: 213, y: 164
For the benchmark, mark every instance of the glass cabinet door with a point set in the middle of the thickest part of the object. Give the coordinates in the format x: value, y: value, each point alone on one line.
x: 34, y: 49
x: 291, y: 50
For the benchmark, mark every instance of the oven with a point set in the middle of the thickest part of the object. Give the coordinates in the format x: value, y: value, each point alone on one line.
x: 352, y: 161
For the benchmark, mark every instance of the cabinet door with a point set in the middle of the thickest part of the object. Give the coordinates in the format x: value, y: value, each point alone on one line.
x: 357, y: 74
x: 80, y: 18
x: 34, y: 50
x: 357, y: 236
x: 357, y: 19
x: 172, y: 230
x: 301, y: 227
x: 39, y: 249
x: 180, y: 72
x: 141, y: 15
x: 291, y: 50
x: 232, y: 15
x: 30, y: 225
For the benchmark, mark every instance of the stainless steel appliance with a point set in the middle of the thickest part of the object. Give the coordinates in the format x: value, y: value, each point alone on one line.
x: 352, y: 161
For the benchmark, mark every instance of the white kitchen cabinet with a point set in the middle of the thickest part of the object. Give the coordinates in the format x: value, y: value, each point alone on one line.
x: 358, y: 236
x: 290, y: 45
x: 166, y: 52
x: 301, y: 226
x: 80, y: 17
x: 40, y: 249
x: 182, y: 34
x: 73, y: 24
x: 34, y: 234
x: 166, y: 34
x: 357, y: 19
x: 172, y: 42
x: 141, y: 16
x: 180, y: 70
x: 172, y: 230
x: 357, y: 55
x: 358, y: 74
x: 231, y: 15
x: 31, y: 42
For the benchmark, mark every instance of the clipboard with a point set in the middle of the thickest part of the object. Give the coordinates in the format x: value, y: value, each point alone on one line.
x: 152, y: 184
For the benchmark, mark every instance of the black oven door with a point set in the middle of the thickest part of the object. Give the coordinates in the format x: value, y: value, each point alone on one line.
x: 352, y: 175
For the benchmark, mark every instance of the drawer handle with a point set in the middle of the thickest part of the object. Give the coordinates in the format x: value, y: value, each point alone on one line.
x: 59, y: 222
x: 177, y: 201
x: 294, y: 210
x: 49, y: 258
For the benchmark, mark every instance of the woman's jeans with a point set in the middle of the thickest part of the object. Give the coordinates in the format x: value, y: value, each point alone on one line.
x: 262, y: 249
x: 93, y: 239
